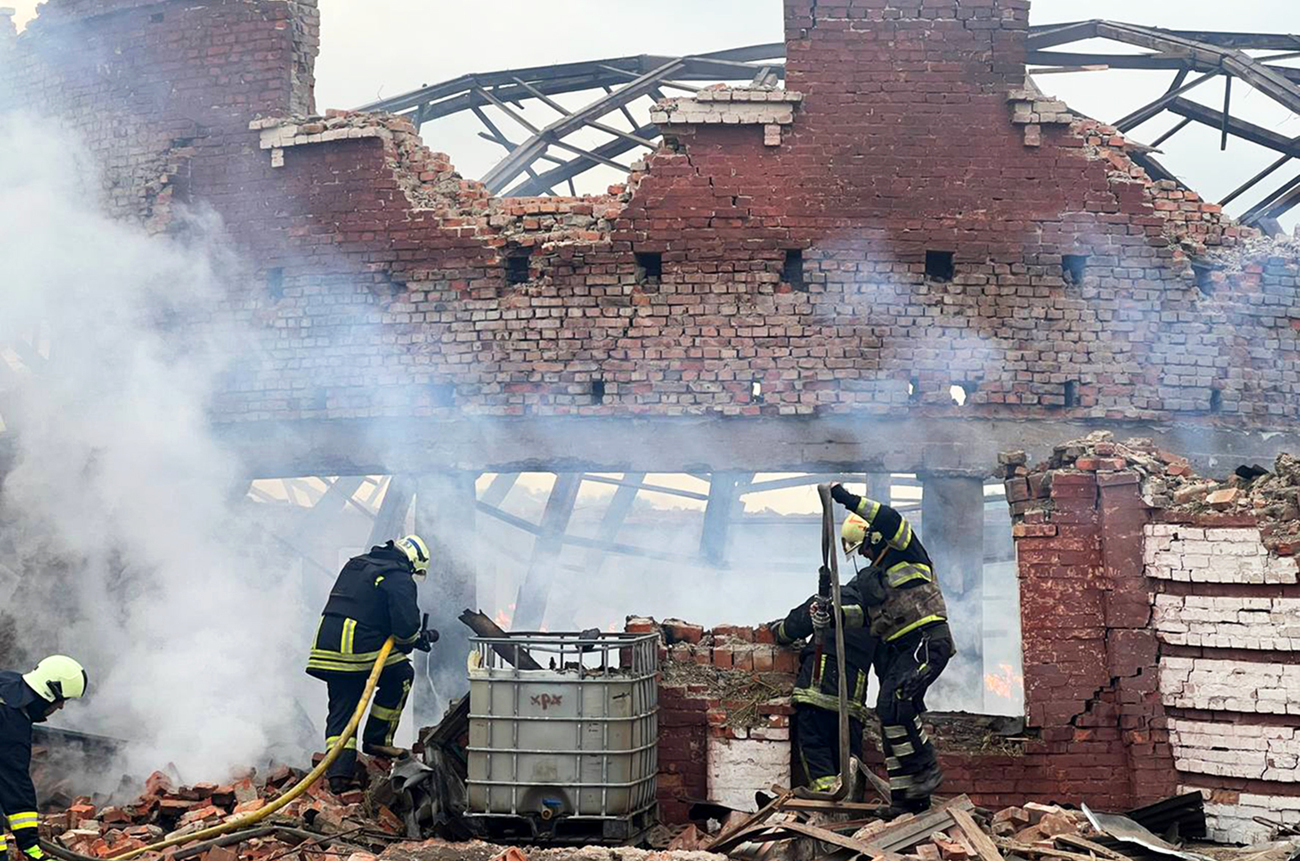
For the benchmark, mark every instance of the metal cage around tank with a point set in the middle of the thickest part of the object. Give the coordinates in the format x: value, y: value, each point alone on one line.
x: 567, y: 748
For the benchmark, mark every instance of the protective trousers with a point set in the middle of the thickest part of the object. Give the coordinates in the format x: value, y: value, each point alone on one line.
x: 907, y: 668
x: 17, y: 794
x: 817, y: 734
x: 345, y: 690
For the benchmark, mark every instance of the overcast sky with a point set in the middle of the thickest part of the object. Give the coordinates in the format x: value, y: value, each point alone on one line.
x: 379, y: 48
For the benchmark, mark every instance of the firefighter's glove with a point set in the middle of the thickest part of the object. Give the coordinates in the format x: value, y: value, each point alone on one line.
x: 819, y: 613
x: 823, y: 581
x: 844, y: 497
x: 427, y: 638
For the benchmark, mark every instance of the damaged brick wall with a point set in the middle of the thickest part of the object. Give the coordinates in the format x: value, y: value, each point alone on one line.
x: 724, y: 713
x: 1090, y: 655
x: 378, y: 278
x: 1161, y: 611
x: 146, y: 84
x: 1227, y: 613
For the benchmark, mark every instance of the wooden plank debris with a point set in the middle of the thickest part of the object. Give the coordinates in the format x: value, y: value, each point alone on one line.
x: 979, y: 841
x: 726, y: 839
x: 1087, y: 845
x: 908, y: 831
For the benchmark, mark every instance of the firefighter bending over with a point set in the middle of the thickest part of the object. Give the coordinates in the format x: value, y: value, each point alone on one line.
x: 816, y: 693
x: 25, y: 700
x: 905, y: 611
x: 373, y: 598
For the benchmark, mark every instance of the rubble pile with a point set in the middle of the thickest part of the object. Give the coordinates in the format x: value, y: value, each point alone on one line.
x: 789, y: 827
x: 1270, y: 497
x: 164, y: 810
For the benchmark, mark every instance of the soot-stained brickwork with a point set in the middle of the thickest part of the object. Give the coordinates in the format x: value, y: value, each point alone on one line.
x: 379, y: 282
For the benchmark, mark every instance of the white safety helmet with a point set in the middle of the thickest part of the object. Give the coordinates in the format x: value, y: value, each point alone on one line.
x: 418, y: 552
x: 57, y: 678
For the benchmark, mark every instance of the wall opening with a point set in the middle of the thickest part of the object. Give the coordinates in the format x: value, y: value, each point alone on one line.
x: 1204, y: 278
x: 1071, y: 394
x: 939, y: 265
x: 649, y: 266
x: 275, y: 283
x: 756, y: 392
x: 597, y: 391
x: 1216, y: 400
x: 517, y: 266
x: 961, y: 392
x: 792, y: 269
x: 913, y: 390
x: 442, y: 394
x: 1073, y: 268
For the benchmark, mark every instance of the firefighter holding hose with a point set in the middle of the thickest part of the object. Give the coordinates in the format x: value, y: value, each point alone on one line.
x: 373, y: 598
x: 816, y: 693
x: 28, y: 699
x: 897, y: 598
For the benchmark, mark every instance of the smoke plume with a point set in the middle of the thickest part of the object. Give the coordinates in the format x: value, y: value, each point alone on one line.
x: 119, y: 520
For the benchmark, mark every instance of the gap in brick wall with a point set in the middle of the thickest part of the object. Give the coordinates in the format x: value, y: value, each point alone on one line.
x: 1216, y: 400
x: 597, y: 391
x: 961, y: 392
x: 442, y: 394
x: 275, y: 283
x: 756, y: 392
x: 517, y: 266
x: 914, y: 390
x: 1204, y: 278
x: 939, y: 265
x: 649, y: 266
x: 792, y: 269
x: 1071, y: 394
x: 1073, y: 268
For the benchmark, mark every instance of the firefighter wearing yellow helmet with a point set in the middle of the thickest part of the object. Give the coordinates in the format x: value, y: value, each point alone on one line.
x: 24, y: 700
x: 904, y: 609
x: 373, y: 598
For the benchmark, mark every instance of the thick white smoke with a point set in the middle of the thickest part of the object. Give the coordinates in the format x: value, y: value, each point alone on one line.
x: 120, y: 516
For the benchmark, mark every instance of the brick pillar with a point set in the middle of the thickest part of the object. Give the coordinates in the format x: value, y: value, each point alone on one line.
x: 445, y: 517
x: 1132, y: 649
x: 952, y: 528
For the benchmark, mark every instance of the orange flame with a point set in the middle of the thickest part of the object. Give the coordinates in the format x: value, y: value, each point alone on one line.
x: 502, y: 618
x: 1006, y: 683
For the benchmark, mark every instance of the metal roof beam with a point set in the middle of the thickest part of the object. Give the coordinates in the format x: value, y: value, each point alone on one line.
x: 1240, y: 128
x: 512, y: 165
x: 577, y: 165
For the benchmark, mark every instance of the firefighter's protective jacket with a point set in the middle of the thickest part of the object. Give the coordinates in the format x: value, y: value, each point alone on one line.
x: 859, y: 647
x: 17, y: 794
x: 899, y: 592
x: 374, y: 597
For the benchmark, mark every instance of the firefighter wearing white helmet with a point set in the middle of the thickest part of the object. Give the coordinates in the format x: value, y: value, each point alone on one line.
x: 902, y: 605
x: 373, y: 598
x: 24, y: 700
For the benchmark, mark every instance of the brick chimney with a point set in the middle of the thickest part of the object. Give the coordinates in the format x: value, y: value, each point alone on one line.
x: 926, y: 50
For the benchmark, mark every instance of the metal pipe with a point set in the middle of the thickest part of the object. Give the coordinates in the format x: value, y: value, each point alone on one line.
x: 831, y: 560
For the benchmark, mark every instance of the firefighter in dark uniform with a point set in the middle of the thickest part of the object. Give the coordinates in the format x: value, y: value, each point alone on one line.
x: 373, y: 598
x: 901, y: 604
x: 25, y: 700
x: 816, y: 693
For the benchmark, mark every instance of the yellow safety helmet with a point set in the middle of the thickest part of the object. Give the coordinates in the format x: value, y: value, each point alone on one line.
x: 854, y: 533
x: 416, y: 551
x: 56, y: 678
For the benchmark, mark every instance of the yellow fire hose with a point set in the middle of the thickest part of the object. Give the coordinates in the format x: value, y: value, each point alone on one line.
x: 301, y: 787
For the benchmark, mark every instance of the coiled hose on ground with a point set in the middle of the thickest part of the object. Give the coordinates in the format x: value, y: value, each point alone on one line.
x: 243, y: 822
